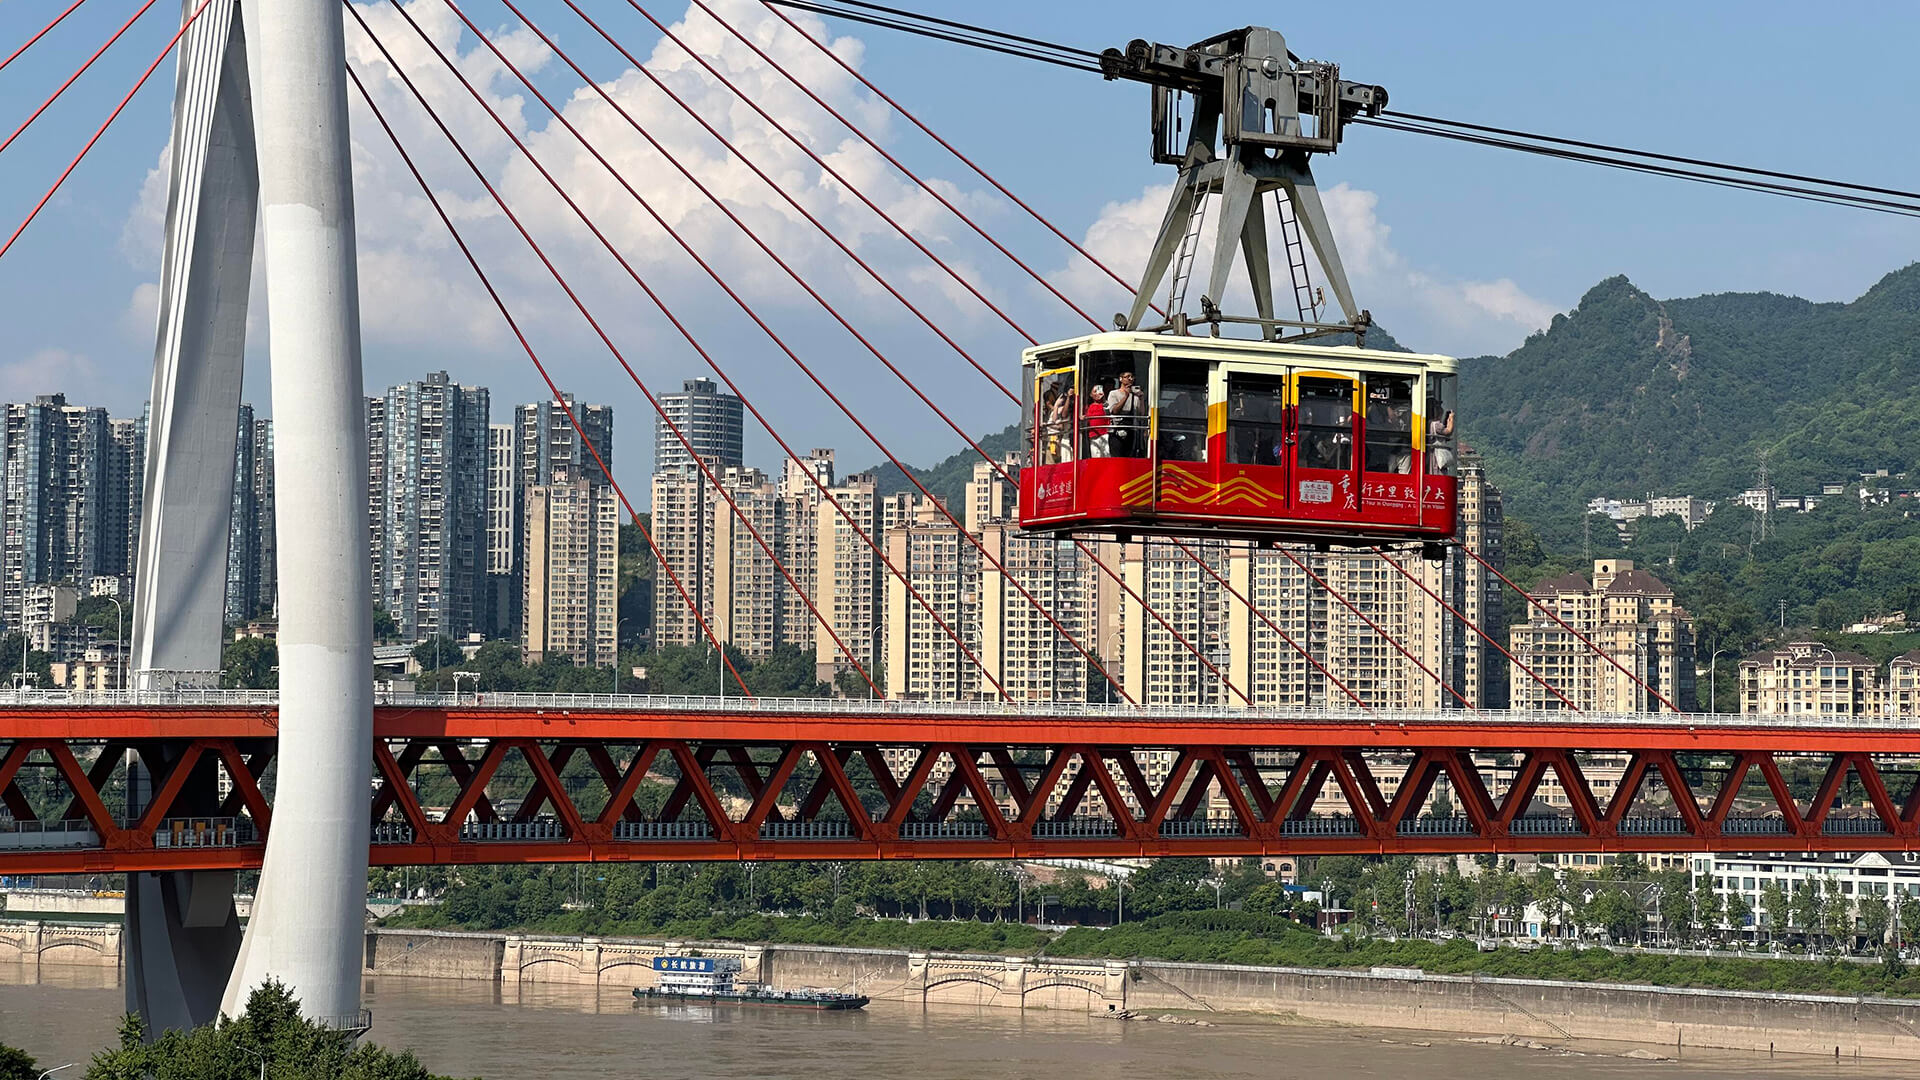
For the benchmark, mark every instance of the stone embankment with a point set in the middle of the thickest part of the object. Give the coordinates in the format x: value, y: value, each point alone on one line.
x: 1525, y: 1010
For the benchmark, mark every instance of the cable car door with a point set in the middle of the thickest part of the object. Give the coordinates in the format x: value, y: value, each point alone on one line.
x: 1324, y: 485
x: 1183, y: 473
x: 1255, y: 446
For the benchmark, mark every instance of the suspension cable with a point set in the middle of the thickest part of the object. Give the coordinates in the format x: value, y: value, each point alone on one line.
x: 951, y: 149
x: 991, y: 461
x: 57, y: 20
x: 82, y: 70
x: 705, y: 355
x: 539, y: 366
x: 772, y: 335
x: 111, y: 117
x: 720, y: 488
x: 1024, y: 48
x: 747, y: 402
x: 814, y: 293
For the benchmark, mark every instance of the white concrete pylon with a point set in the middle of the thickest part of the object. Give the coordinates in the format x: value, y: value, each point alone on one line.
x: 311, y: 901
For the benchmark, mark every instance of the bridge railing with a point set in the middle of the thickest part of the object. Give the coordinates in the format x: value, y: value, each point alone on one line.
x: 862, y: 707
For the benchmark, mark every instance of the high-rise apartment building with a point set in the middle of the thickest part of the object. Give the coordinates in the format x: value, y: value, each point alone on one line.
x: 68, y: 491
x: 126, y: 473
x: 1625, y: 612
x: 923, y: 660
x: 571, y: 553
x: 427, y: 462
x: 549, y: 447
x: 499, y: 596
x: 251, y: 556
x: 1806, y: 678
x: 711, y: 420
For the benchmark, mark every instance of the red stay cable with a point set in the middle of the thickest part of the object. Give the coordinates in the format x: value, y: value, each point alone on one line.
x: 75, y: 77
x: 111, y: 117
x: 895, y: 162
x: 57, y: 19
x: 809, y: 289
x: 1584, y: 640
x: 775, y: 338
x: 747, y: 402
x: 719, y: 488
x: 950, y: 148
x: 525, y: 346
x: 1384, y: 636
x: 1408, y: 574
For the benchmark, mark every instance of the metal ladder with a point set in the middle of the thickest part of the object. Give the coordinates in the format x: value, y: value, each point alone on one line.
x: 1303, y: 296
x: 1183, y: 262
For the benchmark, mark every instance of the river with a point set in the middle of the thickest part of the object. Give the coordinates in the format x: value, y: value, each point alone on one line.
x: 572, y: 1033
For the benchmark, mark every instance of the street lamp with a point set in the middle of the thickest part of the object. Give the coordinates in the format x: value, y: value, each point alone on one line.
x: 258, y: 1056
x: 57, y: 1068
x: 1104, y: 654
x: 617, y: 624
x: 1120, y: 891
x: 119, y: 643
x: 1713, y: 685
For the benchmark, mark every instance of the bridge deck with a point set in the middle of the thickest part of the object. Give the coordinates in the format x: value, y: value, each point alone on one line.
x: 559, y: 778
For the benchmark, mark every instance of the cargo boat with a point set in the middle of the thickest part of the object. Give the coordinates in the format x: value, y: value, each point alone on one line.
x: 713, y: 980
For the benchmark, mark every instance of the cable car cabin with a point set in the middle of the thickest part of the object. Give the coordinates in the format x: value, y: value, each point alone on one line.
x: 1138, y: 433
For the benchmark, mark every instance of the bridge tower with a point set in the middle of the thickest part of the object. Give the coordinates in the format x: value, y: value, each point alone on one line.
x: 260, y: 137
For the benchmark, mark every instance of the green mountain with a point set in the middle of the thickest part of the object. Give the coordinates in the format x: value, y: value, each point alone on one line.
x: 1629, y: 395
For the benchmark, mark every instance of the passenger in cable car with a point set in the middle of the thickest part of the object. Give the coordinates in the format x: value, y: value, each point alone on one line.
x: 1440, y: 447
x: 1127, y: 408
x: 1059, y: 425
x: 1390, y: 425
x: 1098, y: 425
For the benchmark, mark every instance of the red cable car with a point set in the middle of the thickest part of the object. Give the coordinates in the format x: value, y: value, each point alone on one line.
x: 1135, y: 433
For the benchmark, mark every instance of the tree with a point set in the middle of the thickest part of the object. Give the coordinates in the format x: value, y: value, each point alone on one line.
x: 17, y: 1064
x: 437, y: 652
x: 1706, y: 907
x: 1739, y: 911
x: 1875, y: 917
x: 250, y: 664
x: 385, y: 629
x: 1617, y: 913
x: 1774, y: 901
x: 38, y: 664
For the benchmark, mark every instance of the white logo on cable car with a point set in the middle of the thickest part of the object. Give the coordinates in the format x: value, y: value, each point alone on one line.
x: 1316, y: 491
x: 1054, y: 490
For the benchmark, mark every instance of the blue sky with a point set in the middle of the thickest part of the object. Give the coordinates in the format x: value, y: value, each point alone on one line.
x: 1454, y: 248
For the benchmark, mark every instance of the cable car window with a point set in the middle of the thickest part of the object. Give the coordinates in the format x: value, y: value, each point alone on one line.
x: 1256, y: 419
x: 1390, y: 423
x: 1053, y: 419
x: 1122, y: 378
x: 1182, y: 425
x: 1326, y: 423
x: 1100, y: 377
x: 1440, y: 452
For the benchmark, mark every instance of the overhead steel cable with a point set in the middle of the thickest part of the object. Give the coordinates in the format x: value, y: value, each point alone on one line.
x: 707, y: 356
x: 57, y: 20
x: 1700, y: 170
x: 108, y: 122
x: 891, y: 367
x: 1704, y: 163
x: 988, y: 40
x: 605, y: 339
x: 1807, y: 194
x: 514, y: 326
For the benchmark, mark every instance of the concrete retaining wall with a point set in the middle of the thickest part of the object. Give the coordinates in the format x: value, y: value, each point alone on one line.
x: 1533, y: 1009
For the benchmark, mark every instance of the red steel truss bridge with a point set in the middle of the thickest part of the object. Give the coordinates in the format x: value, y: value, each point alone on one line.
x: 589, y: 778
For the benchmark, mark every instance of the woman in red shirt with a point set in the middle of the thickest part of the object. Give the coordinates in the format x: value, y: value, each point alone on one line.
x: 1098, y: 423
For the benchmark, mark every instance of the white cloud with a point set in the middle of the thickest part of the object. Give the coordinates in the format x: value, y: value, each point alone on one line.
x: 1424, y: 309
x: 51, y: 371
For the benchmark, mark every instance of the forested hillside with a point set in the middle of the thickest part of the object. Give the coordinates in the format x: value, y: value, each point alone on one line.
x: 1630, y: 395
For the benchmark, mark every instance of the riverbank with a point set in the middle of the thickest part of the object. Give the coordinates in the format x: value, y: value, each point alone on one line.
x: 1548, y: 1012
